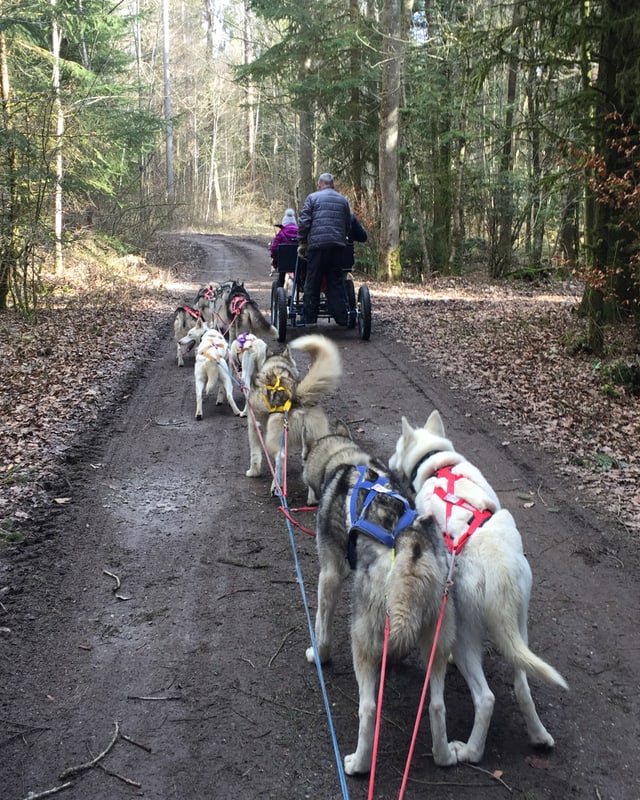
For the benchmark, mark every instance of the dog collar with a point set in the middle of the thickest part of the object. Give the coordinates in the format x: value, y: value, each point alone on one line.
x: 425, y: 457
x: 380, y: 485
x: 193, y: 312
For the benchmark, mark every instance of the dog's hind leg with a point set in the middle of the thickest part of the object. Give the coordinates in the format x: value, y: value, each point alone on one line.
x: 330, y: 583
x: 200, y: 384
x: 255, y: 448
x: 467, y: 655
x: 366, y: 665
x: 225, y: 389
x: 539, y: 736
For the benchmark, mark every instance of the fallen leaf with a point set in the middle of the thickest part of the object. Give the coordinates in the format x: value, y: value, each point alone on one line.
x: 62, y: 501
x: 538, y: 763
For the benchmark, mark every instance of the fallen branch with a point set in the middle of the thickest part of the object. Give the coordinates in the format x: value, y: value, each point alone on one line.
x: 493, y: 775
x: 48, y: 792
x: 128, y: 781
x: 83, y: 767
x: 117, y: 586
x: 282, y: 643
x: 164, y: 697
x: 232, y: 562
x: 137, y: 744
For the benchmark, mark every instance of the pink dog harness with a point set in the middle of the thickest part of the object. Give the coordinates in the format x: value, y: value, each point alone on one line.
x: 451, y: 499
x: 237, y: 304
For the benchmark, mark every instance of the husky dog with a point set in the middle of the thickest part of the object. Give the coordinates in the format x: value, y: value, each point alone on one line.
x: 492, y: 580
x: 188, y: 327
x: 277, y: 389
x: 399, y: 562
x: 247, y: 355
x: 212, y: 370
x: 242, y: 313
x: 212, y: 302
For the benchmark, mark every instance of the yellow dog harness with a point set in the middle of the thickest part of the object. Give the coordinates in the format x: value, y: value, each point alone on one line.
x: 277, y: 388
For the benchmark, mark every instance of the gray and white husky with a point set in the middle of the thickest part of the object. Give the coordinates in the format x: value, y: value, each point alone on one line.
x: 492, y: 581
x: 242, y: 313
x: 278, y: 392
x: 361, y: 516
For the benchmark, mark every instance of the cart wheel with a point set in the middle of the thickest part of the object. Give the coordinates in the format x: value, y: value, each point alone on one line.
x: 364, y: 312
x: 280, y: 316
x: 351, y: 297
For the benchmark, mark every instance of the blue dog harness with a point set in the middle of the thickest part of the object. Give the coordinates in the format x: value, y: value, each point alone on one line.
x: 378, y: 486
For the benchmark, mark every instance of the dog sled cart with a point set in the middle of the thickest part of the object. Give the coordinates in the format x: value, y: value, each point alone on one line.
x: 287, y: 294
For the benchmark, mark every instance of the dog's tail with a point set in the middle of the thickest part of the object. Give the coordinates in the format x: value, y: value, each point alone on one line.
x: 324, y: 372
x: 414, y: 591
x: 503, y: 612
x: 520, y: 656
x: 259, y: 323
x: 253, y: 361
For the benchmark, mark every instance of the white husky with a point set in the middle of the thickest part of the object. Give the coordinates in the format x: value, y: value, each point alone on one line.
x: 212, y: 370
x: 188, y: 328
x: 247, y: 355
x: 492, y: 580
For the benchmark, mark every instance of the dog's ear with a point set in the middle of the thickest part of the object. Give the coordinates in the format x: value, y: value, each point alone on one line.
x: 434, y: 424
x: 407, y: 430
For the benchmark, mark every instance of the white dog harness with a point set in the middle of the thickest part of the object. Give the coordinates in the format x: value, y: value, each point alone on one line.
x: 359, y: 524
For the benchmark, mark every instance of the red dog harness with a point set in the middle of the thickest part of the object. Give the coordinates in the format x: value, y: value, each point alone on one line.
x: 451, y: 499
x: 237, y: 304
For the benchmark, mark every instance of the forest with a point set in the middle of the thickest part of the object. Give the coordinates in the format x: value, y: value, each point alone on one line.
x: 462, y: 131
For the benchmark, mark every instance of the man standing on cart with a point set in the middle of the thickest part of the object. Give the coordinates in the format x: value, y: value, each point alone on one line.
x: 323, y: 228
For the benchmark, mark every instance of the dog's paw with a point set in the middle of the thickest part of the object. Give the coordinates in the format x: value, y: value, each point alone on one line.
x: 198, y: 416
x: 542, y: 740
x: 465, y: 753
x: 445, y: 756
x: 252, y: 472
x: 324, y: 654
x: 242, y: 413
x: 356, y: 765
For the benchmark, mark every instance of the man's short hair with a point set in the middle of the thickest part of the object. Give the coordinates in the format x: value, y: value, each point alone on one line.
x: 326, y: 178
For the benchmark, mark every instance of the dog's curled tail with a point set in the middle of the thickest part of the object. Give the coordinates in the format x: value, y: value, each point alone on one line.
x: 324, y: 372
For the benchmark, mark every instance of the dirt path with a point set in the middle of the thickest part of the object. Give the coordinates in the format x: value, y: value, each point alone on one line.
x: 198, y: 654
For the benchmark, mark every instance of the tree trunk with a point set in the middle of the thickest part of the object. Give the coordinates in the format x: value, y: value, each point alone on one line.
x: 9, y: 167
x: 390, y: 91
x: 168, y: 114
x: 612, y: 239
x: 502, y: 255
x: 56, y: 38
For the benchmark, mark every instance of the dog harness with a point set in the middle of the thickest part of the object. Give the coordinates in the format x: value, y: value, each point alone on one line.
x: 245, y: 342
x: 277, y: 388
x: 374, y: 488
x: 215, y: 351
x: 193, y: 312
x: 237, y: 304
x: 451, y: 499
